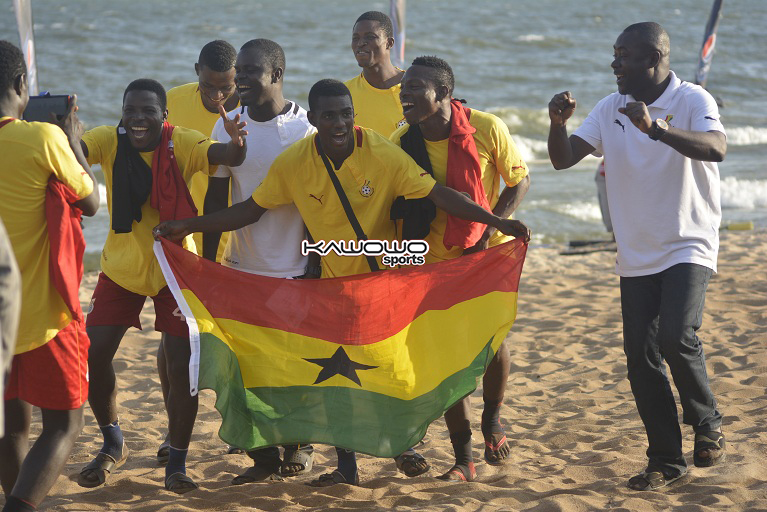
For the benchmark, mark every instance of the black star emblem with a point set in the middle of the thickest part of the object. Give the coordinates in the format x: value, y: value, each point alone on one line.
x: 339, y: 364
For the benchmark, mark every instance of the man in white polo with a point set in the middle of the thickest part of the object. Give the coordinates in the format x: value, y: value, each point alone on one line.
x: 661, y: 139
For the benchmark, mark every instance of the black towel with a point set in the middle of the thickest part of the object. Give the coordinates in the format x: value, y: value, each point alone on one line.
x: 416, y: 214
x: 131, y: 184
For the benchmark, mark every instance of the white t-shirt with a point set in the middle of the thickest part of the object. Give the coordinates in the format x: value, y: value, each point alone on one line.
x: 272, y: 246
x: 665, y: 207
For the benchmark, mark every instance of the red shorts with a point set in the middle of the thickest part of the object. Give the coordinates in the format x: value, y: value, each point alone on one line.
x: 54, y: 376
x: 112, y: 304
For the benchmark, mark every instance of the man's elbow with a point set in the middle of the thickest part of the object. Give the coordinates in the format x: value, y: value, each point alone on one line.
x: 717, y: 154
x: 89, y: 206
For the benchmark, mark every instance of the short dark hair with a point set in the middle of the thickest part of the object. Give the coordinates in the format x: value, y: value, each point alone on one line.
x: 272, y: 52
x: 443, y: 73
x: 327, y: 87
x: 652, y: 35
x: 218, y: 55
x: 11, y: 65
x: 147, y: 84
x: 382, y: 20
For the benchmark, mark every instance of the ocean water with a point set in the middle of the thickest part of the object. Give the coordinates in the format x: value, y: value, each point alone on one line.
x: 509, y: 57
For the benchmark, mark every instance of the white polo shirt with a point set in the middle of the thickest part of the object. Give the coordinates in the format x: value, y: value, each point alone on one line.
x: 665, y: 207
x: 272, y: 246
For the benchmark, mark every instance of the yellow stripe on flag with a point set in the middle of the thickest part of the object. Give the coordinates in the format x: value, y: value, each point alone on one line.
x: 273, y: 358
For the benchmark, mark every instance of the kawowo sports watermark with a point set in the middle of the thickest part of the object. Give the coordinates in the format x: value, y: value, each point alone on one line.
x: 407, y: 252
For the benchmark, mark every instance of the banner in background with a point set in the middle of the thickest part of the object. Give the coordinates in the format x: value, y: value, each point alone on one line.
x: 397, y: 15
x: 23, y: 10
x: 709, y: 42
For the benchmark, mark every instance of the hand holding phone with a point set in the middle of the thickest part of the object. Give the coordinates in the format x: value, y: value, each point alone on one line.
x: 39, y: 108
x: 69, y: 122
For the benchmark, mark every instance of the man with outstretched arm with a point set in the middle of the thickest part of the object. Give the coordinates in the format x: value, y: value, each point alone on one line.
x: 372, y: 171
x: 46, y: 185
x: 452, y: 141
x: 661, y: 139
x: 147, y: 165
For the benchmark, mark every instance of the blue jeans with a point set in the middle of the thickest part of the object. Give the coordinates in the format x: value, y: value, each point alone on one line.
x: 661, y: 314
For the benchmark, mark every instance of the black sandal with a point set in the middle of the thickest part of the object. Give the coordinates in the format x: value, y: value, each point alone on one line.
x: 649, y: 480
x: 712, y: 443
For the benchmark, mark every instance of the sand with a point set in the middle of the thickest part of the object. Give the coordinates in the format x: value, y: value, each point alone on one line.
x: 569, y: 413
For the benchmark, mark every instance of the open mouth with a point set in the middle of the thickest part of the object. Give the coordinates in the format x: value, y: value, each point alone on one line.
x: 407, y: 107
x: 139, y: 132
x: 242, y: 88
x: 619, y: 79
x: 338, y: 138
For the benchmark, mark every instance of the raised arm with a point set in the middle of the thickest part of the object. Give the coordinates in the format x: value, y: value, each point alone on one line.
x: 234, y: 217
x: 233, y: 152
x: 703, y: 146
x: 459, y: 205
x: 564, y: 151
x: 73, y: 129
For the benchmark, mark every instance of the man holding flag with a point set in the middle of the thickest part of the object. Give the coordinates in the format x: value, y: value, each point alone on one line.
x: 370, y: 171
x: 446, y: 138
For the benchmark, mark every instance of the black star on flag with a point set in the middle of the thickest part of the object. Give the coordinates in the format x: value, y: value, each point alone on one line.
x: 339, y: 364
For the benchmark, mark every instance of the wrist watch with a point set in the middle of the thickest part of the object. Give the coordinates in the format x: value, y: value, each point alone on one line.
x: 658, y: 129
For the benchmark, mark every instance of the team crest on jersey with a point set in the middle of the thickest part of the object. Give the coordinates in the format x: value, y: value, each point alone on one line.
x: 366, y: 190
x: 401, y: 123
x: 669, y: 118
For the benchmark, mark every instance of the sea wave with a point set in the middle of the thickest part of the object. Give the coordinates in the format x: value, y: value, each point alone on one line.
x: 530, y: 37
x: 746, y: 135
x: 102, y: 195
x: 743, y: 194
x: 588, y: 211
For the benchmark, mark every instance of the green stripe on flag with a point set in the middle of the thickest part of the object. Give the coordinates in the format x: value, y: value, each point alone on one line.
x: 372, y: 423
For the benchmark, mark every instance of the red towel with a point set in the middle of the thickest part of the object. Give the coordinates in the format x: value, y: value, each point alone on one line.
x: 464, y: 175
x: 65, y: 264
x: 170, y: 195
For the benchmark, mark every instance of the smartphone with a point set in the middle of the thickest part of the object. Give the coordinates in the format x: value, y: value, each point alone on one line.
x: 39, y: 108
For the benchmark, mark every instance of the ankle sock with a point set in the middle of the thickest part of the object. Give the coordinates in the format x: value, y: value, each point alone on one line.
x: 176, y: 461
x: 491, y: 418
x: 14, y: 504
x: 113, y: 440
x: 347, y: 464
x: 461, y: 442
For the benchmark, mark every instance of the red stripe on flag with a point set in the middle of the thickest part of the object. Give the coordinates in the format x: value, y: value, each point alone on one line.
x: 380, y: 304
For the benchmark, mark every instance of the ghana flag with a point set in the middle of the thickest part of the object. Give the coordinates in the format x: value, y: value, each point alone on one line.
x: 364, y: 362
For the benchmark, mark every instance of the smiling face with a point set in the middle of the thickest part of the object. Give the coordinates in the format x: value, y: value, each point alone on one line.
x: 370, y: 44
x: 334, y: 119
x: 254, y: 77
x: 143, y: 118
x: 632, y: 64
x: 215, y: 86
x: 420, y: 96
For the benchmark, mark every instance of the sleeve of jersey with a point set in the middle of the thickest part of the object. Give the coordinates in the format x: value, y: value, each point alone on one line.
x: 219, y: 134
x: 705, y: 113
x: 508, y: 160
x: 195, y: 145
x: 275, y: 190
x: 61, y: 160
x: 412, y: 181
x: 590, y: 131
x: 98, y: 141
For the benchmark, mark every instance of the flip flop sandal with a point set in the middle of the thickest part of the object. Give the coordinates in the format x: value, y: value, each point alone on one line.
x: 180, y: 483
x: 336, y: 477
x: 305, y: 459
x: 495, y: 450
x: 457, y: 474
x: 651, y: 480
x: 713, y: 444
x: 411, y: 464
x: 100, y: 467
x: 257, y: 474
x: 163, y: 453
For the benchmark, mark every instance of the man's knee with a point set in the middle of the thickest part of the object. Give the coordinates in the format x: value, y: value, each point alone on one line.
x: 67, y: 423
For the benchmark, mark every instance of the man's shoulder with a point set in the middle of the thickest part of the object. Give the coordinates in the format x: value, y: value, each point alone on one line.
x: 485, y: 121
x: 297, y: 152
x: 101, y: 134
x: 354, y: 83
x: 188, y: 135
x: 182, y: 92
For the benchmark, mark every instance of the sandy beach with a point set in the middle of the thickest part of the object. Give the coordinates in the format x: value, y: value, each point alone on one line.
x: 569, y: 413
